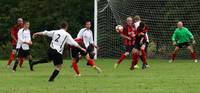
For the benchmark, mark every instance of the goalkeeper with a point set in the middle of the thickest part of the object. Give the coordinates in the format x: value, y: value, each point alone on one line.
x: 182, y: 38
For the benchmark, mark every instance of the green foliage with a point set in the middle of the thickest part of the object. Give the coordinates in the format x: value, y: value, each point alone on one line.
x: 43, y: 15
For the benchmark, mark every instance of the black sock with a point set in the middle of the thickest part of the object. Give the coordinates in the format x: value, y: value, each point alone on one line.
x: 40, y: 61
x: 15, y: 64
x: 141, y: 58
x: 54, y: 74
x: 30, y: 64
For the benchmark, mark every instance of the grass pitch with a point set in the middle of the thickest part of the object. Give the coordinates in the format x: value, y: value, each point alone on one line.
x: 183, y: 76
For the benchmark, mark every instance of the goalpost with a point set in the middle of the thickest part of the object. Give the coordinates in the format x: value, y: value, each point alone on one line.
x: 160, y: 15
x: 95, y: 25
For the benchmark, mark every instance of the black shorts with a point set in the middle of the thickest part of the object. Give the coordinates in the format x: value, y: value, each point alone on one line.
x: 55, y: 56
x: 129, y: 48
x: 138, y: 46
x: 23, y: 53
x: 181, y: 45
x: 76, y: 51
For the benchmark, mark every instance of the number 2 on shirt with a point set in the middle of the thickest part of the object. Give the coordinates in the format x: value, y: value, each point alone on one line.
x: 57, y: 37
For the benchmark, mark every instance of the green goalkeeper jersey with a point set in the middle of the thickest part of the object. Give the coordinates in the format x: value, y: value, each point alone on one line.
x: 182, y: 35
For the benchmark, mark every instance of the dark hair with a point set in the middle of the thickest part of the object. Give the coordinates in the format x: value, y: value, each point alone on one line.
x: 25, y: 22
x: 87, y: 22
x: 141, y: 26
x: 63, y: 24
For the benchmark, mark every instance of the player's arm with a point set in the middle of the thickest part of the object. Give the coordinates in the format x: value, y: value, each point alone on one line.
x: 92, y: 42
x: 191, y: 36
x: 174, y: 38
x: 142, y: 35
x: 44, y: 33
x: 124, y: 36
x: 12, y: 34
x: 144, y: 31
x: 120, y: 31
x: 72, y: 42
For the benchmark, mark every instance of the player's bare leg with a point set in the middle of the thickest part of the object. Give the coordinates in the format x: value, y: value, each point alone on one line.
x: 135, y: 57
x: 123, y: 56
x: 92, y: 63
x: 193, y: 55
x: 173, y: 56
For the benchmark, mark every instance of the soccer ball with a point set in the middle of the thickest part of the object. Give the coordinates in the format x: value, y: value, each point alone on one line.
x: 119, y: 28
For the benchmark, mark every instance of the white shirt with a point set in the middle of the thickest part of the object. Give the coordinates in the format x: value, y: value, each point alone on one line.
x: 86, y: 35
x: 137, y: 24
x: 23, y: 36
x: 59, y: 39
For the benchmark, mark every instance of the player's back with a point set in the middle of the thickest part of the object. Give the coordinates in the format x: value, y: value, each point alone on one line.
x: 59, y: 38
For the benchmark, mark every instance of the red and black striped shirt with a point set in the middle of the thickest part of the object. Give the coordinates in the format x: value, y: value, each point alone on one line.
x: 129, y: 32
x: 139, y: 37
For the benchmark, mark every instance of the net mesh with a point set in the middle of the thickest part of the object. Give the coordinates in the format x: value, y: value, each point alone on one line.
x: 160, y: 15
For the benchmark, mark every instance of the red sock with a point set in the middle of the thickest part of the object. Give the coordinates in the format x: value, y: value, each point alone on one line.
x: 193, y: 55
x: 173, y: 56
x: 144, y: 57
x: 91, y: 62
x: 135, y: 57
x: 21, y: 61
x: 121, y: 59
x: 12, y: 56
x: 75, y: 67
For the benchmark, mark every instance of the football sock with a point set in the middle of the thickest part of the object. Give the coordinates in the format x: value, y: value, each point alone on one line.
x: 12, y: 56
x: 30, y: 63
x: 75, y: 67
x: 39, y: 61
x: 121, y: 59
x: 144, y: 57
x: 91, y: 62
x: 141, y: 58
x: 173, y: 56
x: 193, y: 55
x: 54, y: 74
x: 135, y: 57
x: 15, y: 64
x: 21, y: 61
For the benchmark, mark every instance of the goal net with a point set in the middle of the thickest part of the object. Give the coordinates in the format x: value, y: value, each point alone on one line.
x: 160, y: 15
